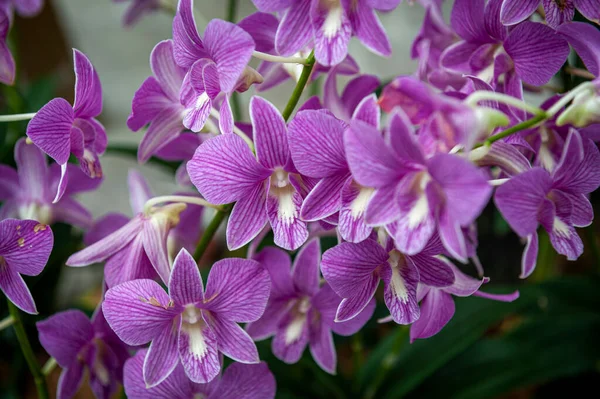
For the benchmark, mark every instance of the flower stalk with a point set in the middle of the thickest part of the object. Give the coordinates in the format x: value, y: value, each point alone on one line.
x: 34, y: 368
x: 6, y: 322
x: 279, y: 59
x: 17, y: 117
x: 297, y: 93
x: 179, y: 198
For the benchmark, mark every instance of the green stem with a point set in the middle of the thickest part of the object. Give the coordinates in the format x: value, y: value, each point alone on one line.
x: 34, y: 367
x: 6, y: 322
x: 514, y: 129
x: 210, y: 232
x: 297, y: 93
x: 236, y: 107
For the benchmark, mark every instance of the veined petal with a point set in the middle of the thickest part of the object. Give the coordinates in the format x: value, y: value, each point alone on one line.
x: 352, y: 307
x: 162, y: 356
x: 520, y: 198
x: 262, y: 27
x: 530, y: 253
x: 109, y: 245
x: 355, y: 200
x: 247, y: 381
x: 324, y: 199
x: 237, y: 290
x: 185, y: 284
x: 226, y: 122
x: 437, y: 309
x: 321, y: 346
x: 347, y: 267
x: 368, y: 111
x: 197, y: 111
x: 154, y: 238
x: 129, y: 263
x: 452, y: 235
x: 269, y: 322
x: 295, y: 29
x: 537, y: 52
x: 402, y: 137
x: 148, y: 101
x: 233, y: 341
x: 283, y: 210
x: 167, y: 72
x: 224, y: 170
x: 515, y: 11
x: 70, y: 380
x: 198, y: 351
x: 50, y: 129
x: 590, y: 9
x: 557, y: 15
x: 104, y: 226
x: 565, y: 239
x: 138, y: 311
x: 187, y: 45
x: 15, y: 289
x: 139, y: 191
x: 317, y: 144
x: 25, y: 245
x: 247, y: 218
x: 368, y: 28
x: 305, y: 271
x: 9, y: 182
x: 272, y: 5
x: 165, y: 127
x: 277, y: 262
x: 578, y: 170
x: 231, y: 47
x: 383, y: 207
x: 269, y: 132
x: 433, y: 271
x: 467, y: 19
x: 291, y: 338
x: 332, y: 30
x: 463, y: 285
x: 88, y: 91
x: 33, y: 171
x: 401, y: 278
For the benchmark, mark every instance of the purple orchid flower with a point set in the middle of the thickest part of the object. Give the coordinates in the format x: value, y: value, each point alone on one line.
x: 239, y: 381
x: 354, y: 272
x: 77, y: 343
x: 263, y: 29
x: 182, y: 148
x: 224, y: 170
x: 437, y: 305
x: 27, y: 192
x: 25, y: 247
x: 139, y: 247
x: 415, y: 195
x: 330, y: 26
x: 217, y: 64
x: 137, y: 9
x: 61, y: 130
x: 189, y: 325
x: 345, y: 106
x: 157, y: 102
x: 316, y: 140
x: 301, y: 313
x: 558, y: 200
x: 25, y: 8
x: 531, y: 52
x: 557, y: 11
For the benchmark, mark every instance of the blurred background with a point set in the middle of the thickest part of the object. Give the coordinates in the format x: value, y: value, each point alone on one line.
x: 544, y: 345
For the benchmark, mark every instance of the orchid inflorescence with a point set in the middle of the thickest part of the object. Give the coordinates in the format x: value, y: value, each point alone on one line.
x: 400, y: 179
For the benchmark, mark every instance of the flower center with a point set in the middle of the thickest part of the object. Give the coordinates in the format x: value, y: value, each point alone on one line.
x: 396, y: 261
x: 333, y: 21
x: 36, y: 211
x: 192, y: 325
x: 293, y: 332
x: 284, y: 192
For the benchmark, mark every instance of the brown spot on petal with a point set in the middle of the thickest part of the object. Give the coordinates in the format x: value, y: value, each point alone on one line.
x: 39, y: 227
x: 18, y: 227
x: 21, y: 242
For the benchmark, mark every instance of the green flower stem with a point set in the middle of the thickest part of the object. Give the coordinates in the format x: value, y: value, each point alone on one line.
x: 6, y: 322
x: 210, y: 232
x: 49, y: 366
x: 17, y: 117
x: 236, y: 107
x: 297, y: 93
x: 514, y: 129
x: 34, y: 367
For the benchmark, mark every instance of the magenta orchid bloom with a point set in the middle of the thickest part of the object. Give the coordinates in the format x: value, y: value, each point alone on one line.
x: 28, y: 192
x: 25, y: 246
x: 61, y: 130
x: 224, y: 170
x: 139, y: 247
x: 190, y: 325
x: 217, y: 66
x: 239, y: 381
x: 78, y: 343
x: 300, y: 311
x: 137, y: 9
x: 557, y: 12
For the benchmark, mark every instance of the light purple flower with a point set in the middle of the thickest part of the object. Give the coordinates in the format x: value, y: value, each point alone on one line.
x: 190, y: 325
x: 225, y: 170
x: 157, y: 102
x: 316, y: 140
x: 558, y: 200
x: 25, y: 8
x: 345, y: 106
x: 28, y: 192
x: 217, y: 64
x: 557, y: 11
x: 354, y: 272
x: 137, y: 248
x: 585, y: 40
x: 330, y: 25
x: 25, y: 246
x: 77, y: 343
x: 418, y: 195
x: 137, y: 9
x: 61, y: 130
x: 7, y: 62
x: 531, y: 52
x: 239, y: 381
x: 437, y: 305
x: 300, y: 312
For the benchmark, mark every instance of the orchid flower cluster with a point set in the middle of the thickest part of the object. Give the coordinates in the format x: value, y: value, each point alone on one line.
x: 399, y: 178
